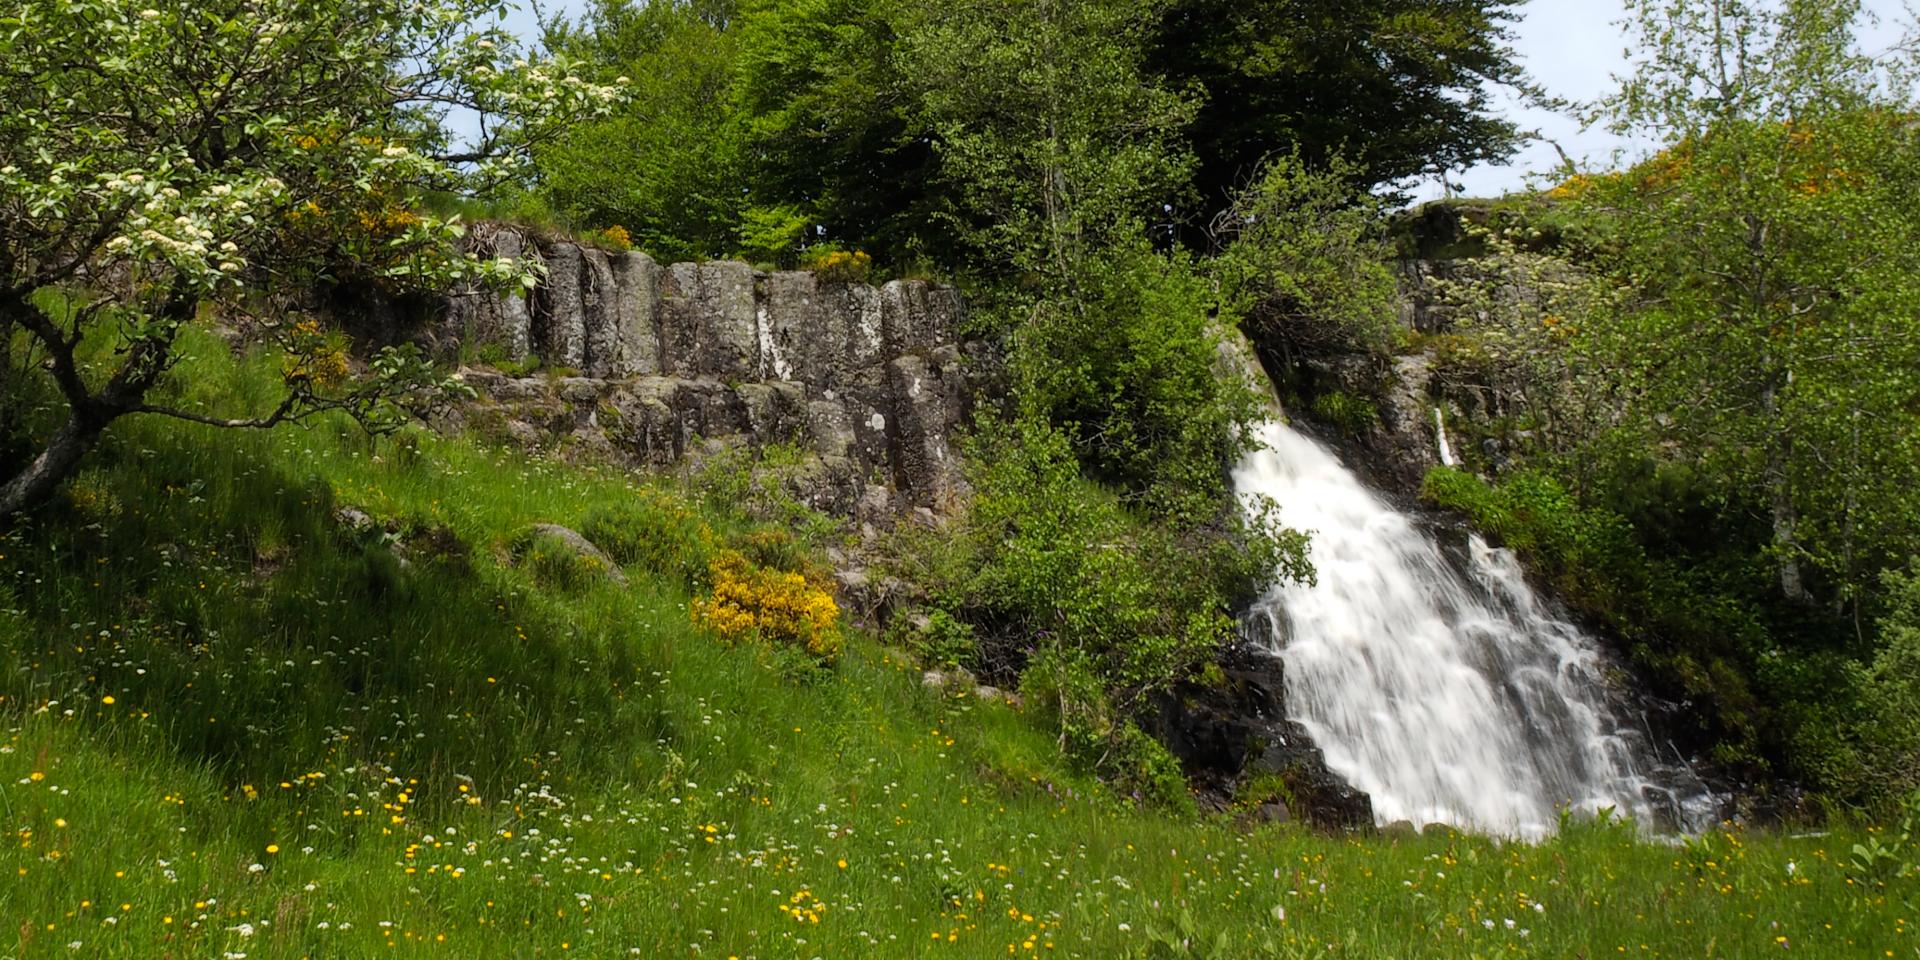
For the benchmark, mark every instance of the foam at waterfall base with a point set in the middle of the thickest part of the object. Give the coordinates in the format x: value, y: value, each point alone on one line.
x: 1445, y: 688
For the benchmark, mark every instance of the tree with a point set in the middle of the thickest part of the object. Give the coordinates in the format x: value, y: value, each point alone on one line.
x: 1400, y: 88
x: 1305, y: 259
x: 842, y: 153
x: 161, y: 158
x: 1774, y: 249
x: 1054, y: 139
x: 670, y: 165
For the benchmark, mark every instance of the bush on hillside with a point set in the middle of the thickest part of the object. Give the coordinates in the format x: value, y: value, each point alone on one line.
x: 1306, y: 257
x: 1089, y: 605
x: 1125, y: 371
x: 778, y: 607
x: 1890, y: 732
x: 655, y: 531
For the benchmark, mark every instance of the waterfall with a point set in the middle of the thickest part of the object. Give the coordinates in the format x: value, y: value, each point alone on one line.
x: 1443, y: 687
x: 1440, y: 438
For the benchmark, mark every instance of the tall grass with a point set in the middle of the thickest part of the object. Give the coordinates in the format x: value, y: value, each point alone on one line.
x: 233, y: 724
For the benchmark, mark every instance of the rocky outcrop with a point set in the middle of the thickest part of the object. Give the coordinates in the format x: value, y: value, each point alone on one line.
x: 480, y: 316
x: 1236, y: 744
x: 1381, y: 411
x: 590, y: 559
x: 660, y: 363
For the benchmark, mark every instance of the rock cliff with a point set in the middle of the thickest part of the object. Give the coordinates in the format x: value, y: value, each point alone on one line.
x: 654, y: 363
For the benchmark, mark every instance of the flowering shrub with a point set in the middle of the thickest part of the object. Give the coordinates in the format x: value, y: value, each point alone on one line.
x: 313, y: 355
x: 840, y: 266
x: 614, y: 238
x: 281, y: 147
x: 751, y: 602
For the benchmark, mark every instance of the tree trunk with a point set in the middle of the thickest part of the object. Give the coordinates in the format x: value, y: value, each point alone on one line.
x: 1786, y: 517
x: 37, y: 481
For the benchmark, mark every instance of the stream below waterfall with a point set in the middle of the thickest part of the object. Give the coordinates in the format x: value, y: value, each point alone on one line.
x: 1441, y: 684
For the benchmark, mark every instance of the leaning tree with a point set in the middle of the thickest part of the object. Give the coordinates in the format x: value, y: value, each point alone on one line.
x: 159, y: 159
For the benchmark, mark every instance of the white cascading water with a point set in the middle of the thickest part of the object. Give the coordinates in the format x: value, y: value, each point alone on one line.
x: 1447, y: 691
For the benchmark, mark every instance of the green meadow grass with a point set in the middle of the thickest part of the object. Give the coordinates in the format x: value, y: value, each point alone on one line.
x: 230, y: 726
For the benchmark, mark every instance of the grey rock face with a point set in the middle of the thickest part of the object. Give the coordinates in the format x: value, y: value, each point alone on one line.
x: 709, y: 321
x: 677, y: 360
x: 562, y: 333
x: 801, y: 339
x: 637, y: 321
x: 927, y: 407
x: 917, y: 315
x: 600, y: 302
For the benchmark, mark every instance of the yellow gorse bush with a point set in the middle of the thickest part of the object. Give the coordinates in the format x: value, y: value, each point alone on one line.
x: 618, y: 238
x: 314, y: 357
x: 841, y: 266
x: 751, y: 602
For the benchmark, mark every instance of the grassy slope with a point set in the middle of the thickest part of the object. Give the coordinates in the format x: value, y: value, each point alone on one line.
x: 228, y: 727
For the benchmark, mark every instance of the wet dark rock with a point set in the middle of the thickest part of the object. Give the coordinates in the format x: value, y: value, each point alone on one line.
x: 1233, y: 735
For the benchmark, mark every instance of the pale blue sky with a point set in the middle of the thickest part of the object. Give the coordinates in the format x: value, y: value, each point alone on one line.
x: 1573, y: 48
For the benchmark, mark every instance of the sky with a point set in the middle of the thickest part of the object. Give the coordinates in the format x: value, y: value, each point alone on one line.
x: 1575, y: 49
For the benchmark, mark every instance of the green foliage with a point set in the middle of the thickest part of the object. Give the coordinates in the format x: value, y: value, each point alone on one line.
x: 1774, y: 256
x: 1092, y: 605
x: 671, y: 162
x: 773, y: 234
x: 1701, y: 370
x: 761, y: 485
x: 275, y: 152
x: 554, y: 563
x: 1056, y: 143
x: 1889, y: 731
x: 252, y: 641
x: 1889, y: 858
x: 1349, y: 414
x: 1531, y: 512
x: 656, y: 532
x: 1402, y: 87
x: 1306, y: 260
x: 945, y: 641
x: 1127, y: 370
x: 833, y: 127
x: 1695, y: 638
